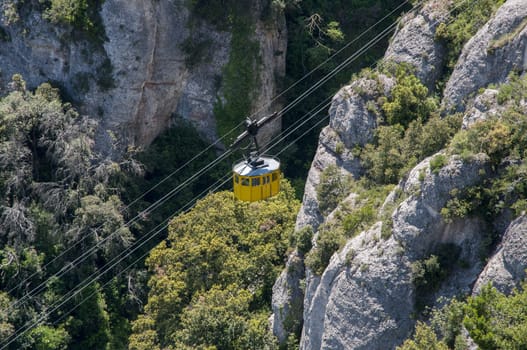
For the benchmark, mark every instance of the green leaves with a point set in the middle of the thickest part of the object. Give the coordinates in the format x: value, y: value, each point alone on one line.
x: 334, y: 186
x: 213, y: 277
x: 408, y: 101
x: 469, y: 16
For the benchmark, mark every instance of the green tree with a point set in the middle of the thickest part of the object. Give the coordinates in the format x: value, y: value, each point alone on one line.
x: 49, y: 338
x: 408, y: 100
x: 424, y: 338
x: 53, y: 192
x: 220, y: 318
x: 202, y: 273
x: 385, y: 161
x: 334, y: 186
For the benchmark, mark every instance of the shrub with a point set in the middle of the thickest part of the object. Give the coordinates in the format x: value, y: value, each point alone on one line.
x: 301, y: 239
x: 328, y: 242
x: 462, y: 203
x: 409, y: 99
x: 468, y: 16
x: 437, y: 163
x: 429, y: 273
x: 333, y: 187
x: 359, y: 219
x: 385, y: 161
x: 514, y: 90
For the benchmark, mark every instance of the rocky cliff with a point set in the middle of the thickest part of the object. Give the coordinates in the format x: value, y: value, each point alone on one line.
x: 369, y: 295
x: 147, y: 62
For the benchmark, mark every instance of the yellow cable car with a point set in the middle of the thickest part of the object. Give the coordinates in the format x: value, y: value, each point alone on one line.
x: 256, y: 179
x: 258, y: 176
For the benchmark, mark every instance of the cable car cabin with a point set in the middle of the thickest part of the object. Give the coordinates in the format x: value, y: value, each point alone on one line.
x: 256, y: 179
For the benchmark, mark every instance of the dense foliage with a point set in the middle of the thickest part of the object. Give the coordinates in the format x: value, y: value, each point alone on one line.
x: 212, y: 278
x: 167, y: 169
x: 500, y: 138
x: 316, y: 31
x: 56, y: 199
x: 412, y: 129
x: 467, y: 18
x: 83, y: 15
x: 493, y: 320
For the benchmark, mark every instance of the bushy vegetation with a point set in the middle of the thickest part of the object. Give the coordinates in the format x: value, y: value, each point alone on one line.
x: 412, y: 130
x: 330, y: 239
x: 166, y: 156
x: 302, y: 239
x: 468, y: 17
x: 429, y: 273
x: 349, y: 220
x: 493, y: 320
x: 500, y: 139
x: 240, y: 78
x: 437, y: 163
x: 334, y: 186
x: 317, y: 30
x: 55, y: 194
x: 83, y: 15
x: 409, y: 99
x: 212, y: 278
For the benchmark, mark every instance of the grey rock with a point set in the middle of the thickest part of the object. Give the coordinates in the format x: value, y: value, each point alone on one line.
x: 415, y: 42
x: 287, y: 299
x: 364, y: 298
x: 506, y: 269
x: 144, y: 62
x: 353, y: 113
x: 498, y: 48
x: 484, y: 106
x: 417, y: 222
x: 325, y: 156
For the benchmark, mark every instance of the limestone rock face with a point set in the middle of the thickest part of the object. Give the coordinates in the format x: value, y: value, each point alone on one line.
x: 415, y: 44
x: 353, y: 111
x: 498, y: 48
x: 417, y: 221
x: 144, y: 72
x: 365, y: 297
x: 287, y: 298
x: 484, y: 106
x: 351, y: 123
x: 506, y: 269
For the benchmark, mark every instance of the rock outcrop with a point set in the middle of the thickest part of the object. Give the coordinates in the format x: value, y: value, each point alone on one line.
x: 498, y: 48
x: 416, y: 45
x: 351, y: 124
x: 146, y: 69
x: 366, y: 296
x: 506, y: 269
x: 288, y: 298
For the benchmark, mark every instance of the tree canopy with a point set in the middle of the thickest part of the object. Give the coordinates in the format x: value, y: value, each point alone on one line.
x: 212, y: 278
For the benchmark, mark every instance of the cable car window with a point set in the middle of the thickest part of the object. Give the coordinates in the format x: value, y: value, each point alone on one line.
x: 256, y: 181
x: 236, y: 179
x: 275, y: 176
x: 267, y: 179
x: 245, y: 182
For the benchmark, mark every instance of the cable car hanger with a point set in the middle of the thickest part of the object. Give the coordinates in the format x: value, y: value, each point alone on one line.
x: 257, y: 176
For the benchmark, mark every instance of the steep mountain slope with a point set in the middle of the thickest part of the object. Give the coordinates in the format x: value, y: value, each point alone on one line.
x: 430, y: 238
x: 136, y: 64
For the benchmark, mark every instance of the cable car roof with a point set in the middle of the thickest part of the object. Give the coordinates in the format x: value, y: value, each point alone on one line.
x: 244, y: 168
